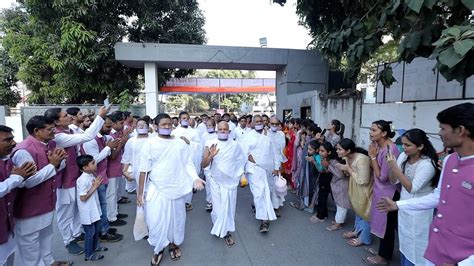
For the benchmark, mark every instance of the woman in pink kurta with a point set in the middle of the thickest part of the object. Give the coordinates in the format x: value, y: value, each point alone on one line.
x: 382, y: 225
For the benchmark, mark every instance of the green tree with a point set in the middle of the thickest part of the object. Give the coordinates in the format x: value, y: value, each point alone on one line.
x: 8, y: 97
x: 65, y: 48
x: 352, y: 31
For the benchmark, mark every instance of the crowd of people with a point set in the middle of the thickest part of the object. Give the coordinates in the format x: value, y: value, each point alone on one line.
x: 77, y: 169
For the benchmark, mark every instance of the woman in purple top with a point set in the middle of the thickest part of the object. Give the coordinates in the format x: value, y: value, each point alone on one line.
x: 382, y: 225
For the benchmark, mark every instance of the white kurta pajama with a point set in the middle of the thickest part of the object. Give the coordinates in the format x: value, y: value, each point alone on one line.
x: 130, y: 156
x: 34, y: 235
x: 260, y: 173
x: 196, y: 149
x: 278, y: 144
x: 225, y: 171
x: 171, y: 174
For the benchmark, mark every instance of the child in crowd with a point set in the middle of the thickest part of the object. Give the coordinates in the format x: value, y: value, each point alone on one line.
x: 89, y: 206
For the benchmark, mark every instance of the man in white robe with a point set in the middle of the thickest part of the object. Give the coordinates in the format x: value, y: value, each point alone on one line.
x: 202, y: 127
x: 278, y: 143
x: 131, y: 153
x: 226, y: 161
x: 167, y: 162
x: 241, y: 130
x: 192, y: 138
x: 260, y: 168
x: 210, y: 134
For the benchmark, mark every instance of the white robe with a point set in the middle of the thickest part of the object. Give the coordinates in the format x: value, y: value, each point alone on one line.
x: 130, y: 156
x: 278, y: 143
x: 171, y: 174
x: 260, y: 173
x: 240, y: 133
x: 225, y: 171
x: 196, y: 153
x: 206, y: 171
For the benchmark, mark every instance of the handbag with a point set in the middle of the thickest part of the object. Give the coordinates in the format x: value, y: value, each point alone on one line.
x: 140, y: 230
x: 280, y: 186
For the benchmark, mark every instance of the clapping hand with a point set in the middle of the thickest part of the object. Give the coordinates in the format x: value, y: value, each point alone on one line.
x: 26, y: 170
x: 56, y: 156
x: 373, y: 150
x: 97, y: 181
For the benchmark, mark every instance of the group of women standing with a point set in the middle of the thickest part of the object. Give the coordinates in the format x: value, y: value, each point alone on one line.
x: 323, y: 162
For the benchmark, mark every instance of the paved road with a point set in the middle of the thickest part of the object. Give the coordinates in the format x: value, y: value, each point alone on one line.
x: 292, y: 240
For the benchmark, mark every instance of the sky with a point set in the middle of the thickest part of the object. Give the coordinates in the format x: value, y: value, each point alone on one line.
x: 243, y: 22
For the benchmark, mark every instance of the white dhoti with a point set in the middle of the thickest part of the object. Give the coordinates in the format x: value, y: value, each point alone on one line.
x: 258, y: 181
x: 6, y: 251
x: 67, y: 214
x: 208, y: 184
x: 34, y: 237
x: 224, y: 199
x: 165, y: 218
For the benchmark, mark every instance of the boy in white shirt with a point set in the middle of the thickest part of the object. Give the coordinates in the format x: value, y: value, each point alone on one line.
x: 89, y: 206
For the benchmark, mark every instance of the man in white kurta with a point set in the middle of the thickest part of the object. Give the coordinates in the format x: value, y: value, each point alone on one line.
x: 193, y: 140
x: 241, y: 130
x: 260, y: 168
x: 278, y: 143
x: 167, y: 162
x: 209, y: 134
x: 132, y: 151
x: 226, y: 161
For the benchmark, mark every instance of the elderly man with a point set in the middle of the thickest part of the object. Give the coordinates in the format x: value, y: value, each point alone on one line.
x: 10, y: 179
x: 226, y: 162
x: 261, y: 167
x: 278, y: 143
x: 167, y: 164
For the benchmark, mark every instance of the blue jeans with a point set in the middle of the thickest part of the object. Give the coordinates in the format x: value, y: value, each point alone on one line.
x: 91, y: 243
x: 362, y: 227
x: 404, y: 261
x: 104, y: 222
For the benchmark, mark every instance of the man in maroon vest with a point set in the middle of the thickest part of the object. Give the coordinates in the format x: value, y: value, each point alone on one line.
x: 34, y: 204
x: 451, y: 239
x: 101, y: 148
x: 10, y: 179
x: 114, y: 171
x: 67, y: 213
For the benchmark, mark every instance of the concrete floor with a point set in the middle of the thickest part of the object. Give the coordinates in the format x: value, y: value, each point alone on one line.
x: 292, y: 240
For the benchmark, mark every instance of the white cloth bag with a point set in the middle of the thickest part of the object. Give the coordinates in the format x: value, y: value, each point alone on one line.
x: 140, y: 230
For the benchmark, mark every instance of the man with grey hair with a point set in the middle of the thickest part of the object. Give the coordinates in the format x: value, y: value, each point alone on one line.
x: 260, y: 168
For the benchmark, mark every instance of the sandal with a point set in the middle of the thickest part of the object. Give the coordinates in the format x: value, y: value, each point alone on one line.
x: 350, y: 234
x: 62, y: 263
x: 372, y: 251
x: 158, y: 256
x: 228, y: 240
x: 314, y: 219
x: 189, y: 207
x: 334, y: 227
x: 94, y: 257
x: 175, y: 252
x: 294, y: 205
x: 375, y: 260
x: 355, y: 242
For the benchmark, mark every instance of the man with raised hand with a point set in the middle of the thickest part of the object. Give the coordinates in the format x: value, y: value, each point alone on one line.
x: 226, y: 162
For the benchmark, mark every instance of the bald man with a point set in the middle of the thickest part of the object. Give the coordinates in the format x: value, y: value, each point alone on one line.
x: 226, y: 162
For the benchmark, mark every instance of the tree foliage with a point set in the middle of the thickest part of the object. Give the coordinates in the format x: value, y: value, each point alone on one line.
x: 65, y: 48
x: 353, y: 31
x: 8, y: 96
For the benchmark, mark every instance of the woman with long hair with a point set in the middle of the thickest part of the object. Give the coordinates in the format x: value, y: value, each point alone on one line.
x: 357, y: 167
x: 290, y: 135
x: 382, y: 225
x: 416, y: 170
x: 335, y: 132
